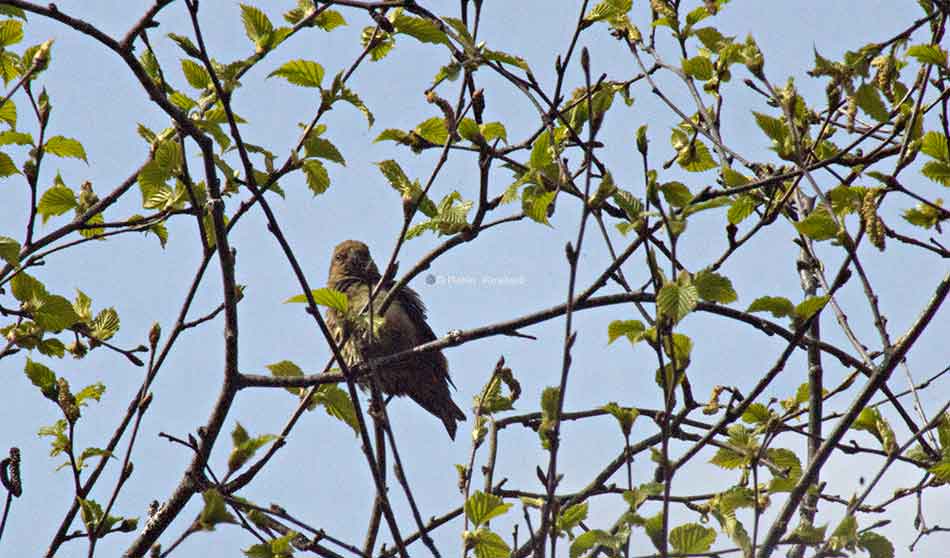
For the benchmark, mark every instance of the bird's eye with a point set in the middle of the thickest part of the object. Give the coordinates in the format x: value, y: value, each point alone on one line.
x: 340, y: 257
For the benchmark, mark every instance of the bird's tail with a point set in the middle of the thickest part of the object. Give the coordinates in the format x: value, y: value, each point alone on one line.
x: 451, y: 415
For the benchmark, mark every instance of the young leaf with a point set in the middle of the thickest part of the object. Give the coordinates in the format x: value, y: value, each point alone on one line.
x: 819, y: 225
x: 9, y: 250
x: 677, y: 299
x: 929, y: 54
x: 331, y: 298
x: 324, y: 149
x: 714, y: 287
x: 300, y: 72
x: 632, y: 329
x: 482, y: 508
x: 257, y: 26
x: 336, y: 402
x: 42, y: 377
x: 318, y: 179
x: 57, y: 200
x: 779, y: 306
x: 692, y: 538
x: 65, y: 147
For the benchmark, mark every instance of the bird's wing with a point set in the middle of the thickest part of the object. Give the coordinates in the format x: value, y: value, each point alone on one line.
x: 415, y: 310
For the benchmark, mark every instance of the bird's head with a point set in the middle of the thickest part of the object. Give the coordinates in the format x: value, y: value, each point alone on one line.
x: 351, y: 260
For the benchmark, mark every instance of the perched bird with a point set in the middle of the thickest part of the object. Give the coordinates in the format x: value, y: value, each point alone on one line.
x: 424, y: 377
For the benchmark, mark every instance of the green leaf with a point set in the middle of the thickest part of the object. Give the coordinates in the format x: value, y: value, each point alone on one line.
x: 81, y: 464
x: 494, y: 130
x: 392, y: 134
x: 779, y: 306
x: 630, y: 204
x: 933, y: 144
x: 92, y: 391
x: 789, y: 462
x: 488, y: 544
x: 105, y: 325
x: 8, y: 113
x: 8, y: 137
x: 924, y: 215
x: 588, y: 540
x: 536, y: 205
x: 55, y: 314
x: 300, y: 72
x: 7, y: 166
x: 423, y: 30
x: 870, y: 102
x: 328, y: 20
x: 929, y: 54
x: 695, y: 157
x: 607, y: 9
x: 941, y: 470
x: 182, y: 101
x: 677, y: 299
x: 65, y: 147
x: 571, y: 517
x: 279, y: 547
x: 10, y: 250
x: 845, y: 534
x: 692, y: 538
x: 214, y: 511
x: 505, y: 58
x: 286, y: 369
x: 654, y: 529
x: 729, y: 459
x: 57, y: 200
x: 714, y: 287
x: 877, y: 546
x: 733, y: 178
x: 336, y: 402
x: 318, y: 179
x: 819, y: 225
x: 632, y: 329
x: 383, y: 43
x: 331, y: 298
x: 11, y: 32
x: 27, y: 288
x: 185, y: 44
x: 196, y: 74
x: 699, y: 67
x: 807, y: 308
x: 469, y: 130
x: 90, y: 512
x: 774, y: 128
x: 871, y: 420
x: 409, y: 190
x: 245, y: 447
x: 757, y: 413
x: 938, y: 171
x: 343, y: 93
x: 324, y: 149
x: 257, y: 26
x: 676, y: 194
x: 625, y: 416
x: 433, y: 130
x: 43, y: 378
x: 480, y: 508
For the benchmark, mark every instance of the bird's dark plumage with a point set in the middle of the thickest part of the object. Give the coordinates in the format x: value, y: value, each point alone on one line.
x: 424, y: 377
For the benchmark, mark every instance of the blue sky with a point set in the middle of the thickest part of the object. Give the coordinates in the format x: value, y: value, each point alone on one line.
x: 320, y: 475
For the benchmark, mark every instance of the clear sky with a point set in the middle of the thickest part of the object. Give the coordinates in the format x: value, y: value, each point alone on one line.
x: 321, y: 475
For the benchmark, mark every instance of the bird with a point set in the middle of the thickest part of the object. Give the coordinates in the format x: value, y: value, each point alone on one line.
x: 423, y: 377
